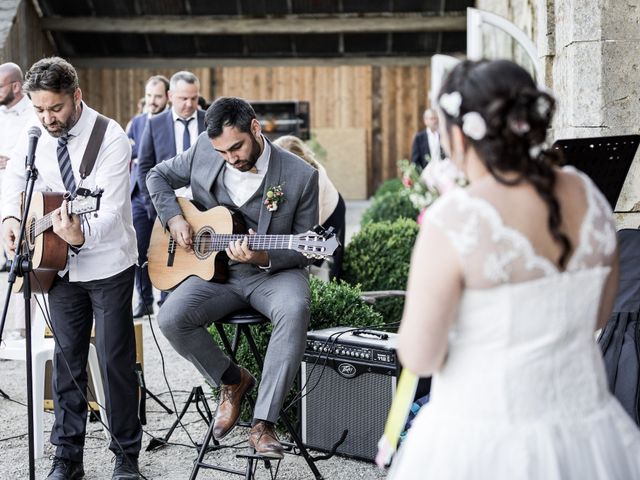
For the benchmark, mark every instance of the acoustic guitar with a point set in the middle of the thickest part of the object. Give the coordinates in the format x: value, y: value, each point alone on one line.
x: 170, y: 264
x: 48, y: 251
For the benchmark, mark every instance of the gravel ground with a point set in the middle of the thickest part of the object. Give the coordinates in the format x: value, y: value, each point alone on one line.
x: 173, y: 461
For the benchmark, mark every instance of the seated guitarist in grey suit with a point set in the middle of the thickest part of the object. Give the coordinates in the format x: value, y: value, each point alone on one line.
x: 234, y: 165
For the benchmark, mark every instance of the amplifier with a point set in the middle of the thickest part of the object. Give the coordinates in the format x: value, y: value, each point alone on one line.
x: 349, y: 379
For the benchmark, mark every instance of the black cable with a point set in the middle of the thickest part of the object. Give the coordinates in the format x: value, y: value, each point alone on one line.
x: 6, y: 439
x: 166, y: 380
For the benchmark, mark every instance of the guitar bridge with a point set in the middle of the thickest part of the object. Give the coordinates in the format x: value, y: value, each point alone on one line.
x: 171, y: 250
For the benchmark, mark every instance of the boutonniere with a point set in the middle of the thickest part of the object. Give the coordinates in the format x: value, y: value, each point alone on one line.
x: 275, y: 196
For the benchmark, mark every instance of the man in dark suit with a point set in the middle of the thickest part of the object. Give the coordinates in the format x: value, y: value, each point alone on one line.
x: 235, y: 165
x: 426, y: 143
x: 165, y: 135
x: 156, y: 99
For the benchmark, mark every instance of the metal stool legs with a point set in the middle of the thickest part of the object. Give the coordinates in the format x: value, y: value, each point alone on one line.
x: 244, y: 328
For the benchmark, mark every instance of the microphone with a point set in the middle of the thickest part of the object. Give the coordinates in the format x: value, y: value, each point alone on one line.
x: 34, y: 134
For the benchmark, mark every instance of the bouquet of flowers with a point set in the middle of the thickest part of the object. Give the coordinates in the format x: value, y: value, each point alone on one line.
x: 437, y: 178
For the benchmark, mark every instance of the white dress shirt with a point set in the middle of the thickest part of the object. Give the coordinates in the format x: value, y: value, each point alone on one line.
x: 109, y: 238
x: 434, y: 144
x: 242, y: 185
x: 178, y: 130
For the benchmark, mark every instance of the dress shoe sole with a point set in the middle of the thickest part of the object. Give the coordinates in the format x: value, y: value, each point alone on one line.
x: 274, y: 455
x: 248, y: 390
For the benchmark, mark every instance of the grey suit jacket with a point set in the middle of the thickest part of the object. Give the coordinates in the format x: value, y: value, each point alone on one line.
x: 201, y: 164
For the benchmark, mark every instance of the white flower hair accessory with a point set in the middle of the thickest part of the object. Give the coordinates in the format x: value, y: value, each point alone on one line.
x: 535, y: 151
x: 450, y: 103
x: 543, y: 107
x: 474, y: 126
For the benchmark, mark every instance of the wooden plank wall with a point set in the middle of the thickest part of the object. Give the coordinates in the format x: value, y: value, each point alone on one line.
x: 386, y: 101
x: 115, y: 92
x: 25, y: 43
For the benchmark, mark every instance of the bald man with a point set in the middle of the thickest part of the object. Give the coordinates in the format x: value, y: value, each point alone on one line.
x: 16, y: 113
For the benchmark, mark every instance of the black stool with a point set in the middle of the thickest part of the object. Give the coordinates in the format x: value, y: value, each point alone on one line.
x: 243, y: 321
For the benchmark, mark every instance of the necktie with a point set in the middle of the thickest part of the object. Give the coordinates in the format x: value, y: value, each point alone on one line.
x: 64, y: 162
x: 186, y: 138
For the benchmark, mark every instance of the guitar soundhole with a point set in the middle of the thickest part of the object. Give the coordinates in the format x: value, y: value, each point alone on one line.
x: 31, y: 233
x: 203, y: 243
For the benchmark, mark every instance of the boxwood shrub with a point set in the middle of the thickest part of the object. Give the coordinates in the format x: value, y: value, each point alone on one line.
x: 393, y: 185
x: 389, y: 207
x: 377, y: 258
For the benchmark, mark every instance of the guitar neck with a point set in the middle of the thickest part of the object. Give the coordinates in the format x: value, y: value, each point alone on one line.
x: 218, y: 242
x: 44, y: 223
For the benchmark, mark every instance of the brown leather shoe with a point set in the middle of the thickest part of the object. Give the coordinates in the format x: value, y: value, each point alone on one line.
x: 230, y: 402
x: 262, y: 437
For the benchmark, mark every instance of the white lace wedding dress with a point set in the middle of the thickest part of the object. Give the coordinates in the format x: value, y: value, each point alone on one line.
x: 522, y: 394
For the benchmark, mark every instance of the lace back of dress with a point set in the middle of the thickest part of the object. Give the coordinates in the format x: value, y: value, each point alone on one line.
x: 493, y: 254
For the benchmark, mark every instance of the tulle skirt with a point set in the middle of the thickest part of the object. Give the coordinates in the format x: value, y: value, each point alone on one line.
x: 441, y: 446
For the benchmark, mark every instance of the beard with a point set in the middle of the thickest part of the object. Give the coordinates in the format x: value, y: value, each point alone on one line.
x: 8, y: 98
x: 61, y: 128
x: 249, y: 163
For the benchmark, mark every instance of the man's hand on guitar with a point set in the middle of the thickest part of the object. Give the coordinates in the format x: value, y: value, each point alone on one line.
x: 181, y: 232
x: 10, y: 232
x: 67, y: 227
x: 240, y: 252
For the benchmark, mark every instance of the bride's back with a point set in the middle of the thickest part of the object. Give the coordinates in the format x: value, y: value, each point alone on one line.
x: 502, y: 235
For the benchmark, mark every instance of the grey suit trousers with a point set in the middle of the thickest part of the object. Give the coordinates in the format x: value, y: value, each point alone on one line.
x: 283, y: 297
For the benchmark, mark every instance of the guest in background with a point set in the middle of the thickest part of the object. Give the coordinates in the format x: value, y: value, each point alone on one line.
x: 331, y: 203
x: 155, y: 99
x: 202, y: 103
x: 165, y: 135
x: 16, y: 112
x: 426, y: 144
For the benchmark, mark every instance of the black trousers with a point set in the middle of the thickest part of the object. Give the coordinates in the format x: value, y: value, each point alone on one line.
x: 73, y: 307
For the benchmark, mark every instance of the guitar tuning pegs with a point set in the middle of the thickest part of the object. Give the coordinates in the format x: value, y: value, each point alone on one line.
x: 319, y: 229
x: 328, y: 232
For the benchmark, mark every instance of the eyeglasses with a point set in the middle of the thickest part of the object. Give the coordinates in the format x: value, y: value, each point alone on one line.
x: 8, y: 83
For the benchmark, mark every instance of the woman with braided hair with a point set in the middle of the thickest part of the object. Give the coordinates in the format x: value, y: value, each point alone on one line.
x: 509, y: 279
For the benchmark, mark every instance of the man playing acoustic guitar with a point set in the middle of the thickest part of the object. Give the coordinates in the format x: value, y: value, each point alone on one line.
x: 232, y: 164
x: 97, y: 280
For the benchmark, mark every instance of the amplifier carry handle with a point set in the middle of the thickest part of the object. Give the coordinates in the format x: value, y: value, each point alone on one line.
x: 363, y: 332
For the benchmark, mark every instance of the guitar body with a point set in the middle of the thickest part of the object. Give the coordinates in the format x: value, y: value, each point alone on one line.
x: 48, y: 250
x: 169, y: 264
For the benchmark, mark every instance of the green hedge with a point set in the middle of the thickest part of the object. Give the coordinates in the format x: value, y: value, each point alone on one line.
x: 389, y: 207
x: 393, y: 185
x: 377, y: 258
x: 332, y: 304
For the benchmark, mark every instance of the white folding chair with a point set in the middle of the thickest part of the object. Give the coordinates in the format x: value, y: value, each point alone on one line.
x: 41, y: 351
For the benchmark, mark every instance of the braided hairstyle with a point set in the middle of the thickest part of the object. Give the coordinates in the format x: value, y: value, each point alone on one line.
x: 517, y: 115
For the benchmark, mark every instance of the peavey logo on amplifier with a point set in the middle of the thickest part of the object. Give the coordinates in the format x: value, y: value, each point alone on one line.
x: 347, y: 370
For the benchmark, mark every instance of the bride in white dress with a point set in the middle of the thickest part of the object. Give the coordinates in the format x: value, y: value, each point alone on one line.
x: 509, y: 279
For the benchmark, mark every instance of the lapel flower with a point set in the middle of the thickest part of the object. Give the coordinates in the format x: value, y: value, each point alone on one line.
x: 275, y: 196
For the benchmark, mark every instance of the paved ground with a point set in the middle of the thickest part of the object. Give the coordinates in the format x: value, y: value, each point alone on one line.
x: 171, y: 462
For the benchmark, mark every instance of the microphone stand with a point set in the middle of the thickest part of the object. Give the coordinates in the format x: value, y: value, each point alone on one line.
x: 21, y: 266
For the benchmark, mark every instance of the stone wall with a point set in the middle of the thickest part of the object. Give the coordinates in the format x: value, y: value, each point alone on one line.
x: 590, y: 50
